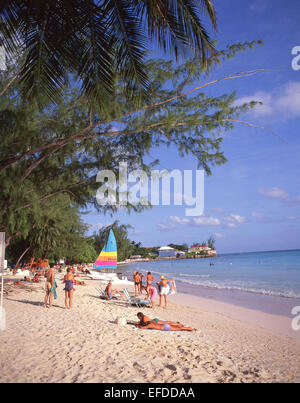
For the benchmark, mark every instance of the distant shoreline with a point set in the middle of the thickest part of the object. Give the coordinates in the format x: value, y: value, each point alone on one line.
x: 130, y: 261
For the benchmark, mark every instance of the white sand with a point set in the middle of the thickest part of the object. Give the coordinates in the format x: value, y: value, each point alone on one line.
x: 84, y: 345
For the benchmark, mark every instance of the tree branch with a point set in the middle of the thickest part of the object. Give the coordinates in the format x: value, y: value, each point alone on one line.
x: 8, y: 85
x: 80, y: 135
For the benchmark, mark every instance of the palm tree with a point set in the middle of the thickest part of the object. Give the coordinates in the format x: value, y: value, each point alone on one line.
x: 95, y: 40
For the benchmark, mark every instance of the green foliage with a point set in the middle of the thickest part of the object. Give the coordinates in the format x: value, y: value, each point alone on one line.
x: 182, y: 247
x: 49, y: 158
x: 56, y: 232
x: 211, y: 242
x: 82, y: 252
x: 121, y: 235
x: 137, y: 249
x: 95, y: 40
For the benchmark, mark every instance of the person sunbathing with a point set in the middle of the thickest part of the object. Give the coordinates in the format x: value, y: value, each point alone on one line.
x: 144, y: 320
x: 77, y: 282
x: 164, y: 327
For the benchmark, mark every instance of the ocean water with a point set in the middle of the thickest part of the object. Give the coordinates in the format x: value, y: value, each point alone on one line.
x: 255, y: 274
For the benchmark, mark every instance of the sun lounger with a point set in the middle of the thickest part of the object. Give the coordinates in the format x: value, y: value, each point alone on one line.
x: 136, y: 301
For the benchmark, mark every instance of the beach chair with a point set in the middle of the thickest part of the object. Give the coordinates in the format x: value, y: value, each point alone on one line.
x: 136, y: 301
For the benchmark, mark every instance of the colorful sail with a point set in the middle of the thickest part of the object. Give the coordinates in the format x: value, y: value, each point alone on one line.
x: 108, y: 256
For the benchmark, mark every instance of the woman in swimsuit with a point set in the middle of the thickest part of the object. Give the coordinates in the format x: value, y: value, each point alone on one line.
x: 143, y: 320
x: 149, y: 279
x: 164, y: 327
x: 151, y: 291
x: 69, y: 281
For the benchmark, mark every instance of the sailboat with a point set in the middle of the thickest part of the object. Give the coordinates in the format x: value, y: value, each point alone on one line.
x: 105, y: 266
x: 107, y: 259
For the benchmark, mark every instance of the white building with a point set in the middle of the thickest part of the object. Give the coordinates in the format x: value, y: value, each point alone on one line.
x: 166, y: 251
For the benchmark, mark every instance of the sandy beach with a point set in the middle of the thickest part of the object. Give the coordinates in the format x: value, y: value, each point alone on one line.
x: 232, y: 344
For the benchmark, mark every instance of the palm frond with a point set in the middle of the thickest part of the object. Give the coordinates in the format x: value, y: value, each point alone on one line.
x: 97, y: 40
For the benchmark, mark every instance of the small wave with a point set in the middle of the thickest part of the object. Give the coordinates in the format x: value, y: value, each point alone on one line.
x: 275, y: 293
x: 193, y: 275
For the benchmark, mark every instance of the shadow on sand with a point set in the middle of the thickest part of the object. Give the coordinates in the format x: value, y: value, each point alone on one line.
x: 36, y: 303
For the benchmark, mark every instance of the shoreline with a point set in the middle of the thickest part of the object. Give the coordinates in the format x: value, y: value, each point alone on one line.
x: 279, y: 324
x: 266, y: 303
x: 141, y: 260
x: 263, y: 302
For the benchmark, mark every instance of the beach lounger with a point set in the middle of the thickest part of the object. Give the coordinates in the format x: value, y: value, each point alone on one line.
x: 136, y: 301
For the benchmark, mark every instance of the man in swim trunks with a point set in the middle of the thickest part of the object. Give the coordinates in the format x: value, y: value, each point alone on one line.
x: 164, y: 289
x: 137, y: 283
x: 48, y: 286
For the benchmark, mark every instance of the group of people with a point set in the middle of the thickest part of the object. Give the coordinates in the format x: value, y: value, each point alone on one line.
x: 162, y: 285
x: 144, y: 321
x: 50, y: 287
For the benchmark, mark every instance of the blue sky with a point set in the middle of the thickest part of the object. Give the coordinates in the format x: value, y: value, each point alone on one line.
x: 252, y: 202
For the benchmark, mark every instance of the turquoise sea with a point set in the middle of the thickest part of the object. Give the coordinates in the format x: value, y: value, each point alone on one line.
x: 236, y: 277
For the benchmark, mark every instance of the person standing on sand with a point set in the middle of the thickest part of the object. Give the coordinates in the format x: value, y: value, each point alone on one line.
x: 135, y: 282
x: 152, y: 294
x: 163, y: 289
x: 141, y: 287
x: 49, y: 286
x: 149, y: 279
x: 69, y: 281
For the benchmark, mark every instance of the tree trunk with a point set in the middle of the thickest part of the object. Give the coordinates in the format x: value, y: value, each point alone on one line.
x: 24, y: 253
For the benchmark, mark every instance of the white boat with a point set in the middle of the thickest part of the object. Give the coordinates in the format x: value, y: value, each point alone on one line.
x: 113, y: 277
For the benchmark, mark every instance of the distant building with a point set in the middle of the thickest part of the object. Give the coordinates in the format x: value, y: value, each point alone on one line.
x: 202, y: 249
x: 198, y: 249
x: 166, y: 251
x: 211, y: 252
x: 136, y: 257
